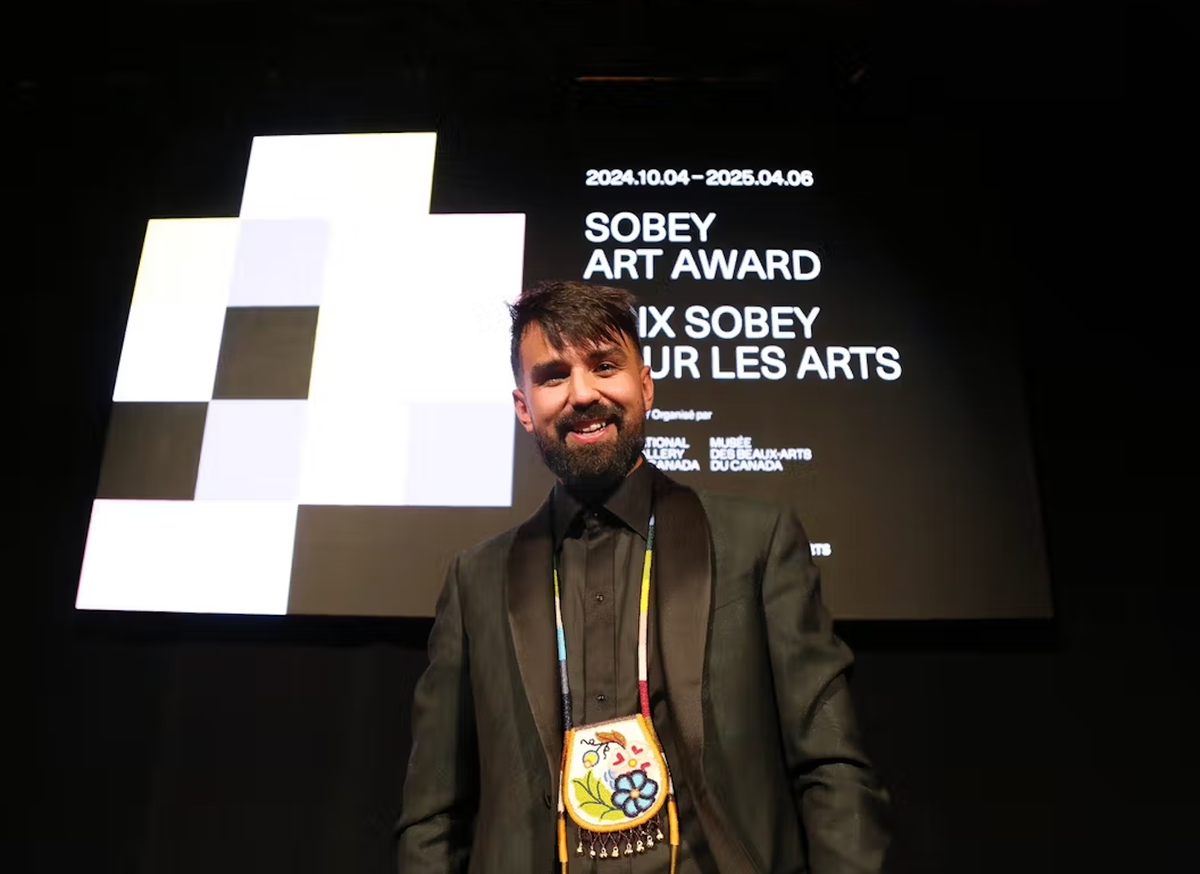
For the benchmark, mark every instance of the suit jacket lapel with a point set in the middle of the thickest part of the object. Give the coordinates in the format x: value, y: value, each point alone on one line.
x: 531, y: 618
x: 683, y: 582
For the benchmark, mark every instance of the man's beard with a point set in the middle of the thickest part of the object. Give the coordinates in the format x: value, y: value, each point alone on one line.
x: 592, y: 470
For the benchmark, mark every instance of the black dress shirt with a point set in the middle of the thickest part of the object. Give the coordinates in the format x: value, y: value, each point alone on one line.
x: 601, y: 550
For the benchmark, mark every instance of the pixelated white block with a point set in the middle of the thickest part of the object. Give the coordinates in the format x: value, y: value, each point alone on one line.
x: 251, y: 450
x: 414, y: 312
x: 173, y: 335
x: 170, y: 354
x: 188, y: 556
x: 355, y: 452
x: 187, y: 261
x: 279, y: 263
x: 461, y: 455
x: 335, y: 176
x: 474, y: 265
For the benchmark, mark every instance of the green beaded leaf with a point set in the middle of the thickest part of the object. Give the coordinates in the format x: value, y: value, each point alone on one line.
x: 590, y: 791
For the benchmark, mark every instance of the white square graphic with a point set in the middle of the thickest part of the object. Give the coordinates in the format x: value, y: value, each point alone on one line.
x: 461, y: 455
x: 186, y: 262
x: 336, y: 176
x: 252, y: 450
x: 279, y: 263
x: 409, y: 399
x: 188, y: 556
x: 406, y: 317
x: 170, y: 353
x: 355, y: 452
x: 173, y: 335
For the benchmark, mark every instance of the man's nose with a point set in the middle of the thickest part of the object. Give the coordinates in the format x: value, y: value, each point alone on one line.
x: 582, y: 388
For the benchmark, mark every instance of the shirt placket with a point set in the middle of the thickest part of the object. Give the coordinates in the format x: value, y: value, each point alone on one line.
x: 600, y: 637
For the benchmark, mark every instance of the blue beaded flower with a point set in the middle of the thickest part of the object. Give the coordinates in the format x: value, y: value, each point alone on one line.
x: 634, y: 793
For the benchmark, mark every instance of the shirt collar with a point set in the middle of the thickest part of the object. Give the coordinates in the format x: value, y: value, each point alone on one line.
x: 629, y: 503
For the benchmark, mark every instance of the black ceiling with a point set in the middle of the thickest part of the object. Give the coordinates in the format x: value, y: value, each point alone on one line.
x: 500, y: 54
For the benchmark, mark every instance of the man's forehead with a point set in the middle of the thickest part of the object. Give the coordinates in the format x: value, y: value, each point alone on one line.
x: 536, y: 347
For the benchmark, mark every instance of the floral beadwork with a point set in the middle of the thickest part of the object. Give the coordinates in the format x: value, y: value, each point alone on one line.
x: 615, y: 778
x: 634, y: 793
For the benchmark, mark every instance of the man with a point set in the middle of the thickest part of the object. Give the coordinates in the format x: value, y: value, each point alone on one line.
x: 747, y: 684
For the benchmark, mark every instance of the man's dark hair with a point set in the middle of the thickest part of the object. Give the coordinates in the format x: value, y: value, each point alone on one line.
x: 572, y: 314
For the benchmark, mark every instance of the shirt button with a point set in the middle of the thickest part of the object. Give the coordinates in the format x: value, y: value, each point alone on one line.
x: 601, y: 699
x: 599, y: 599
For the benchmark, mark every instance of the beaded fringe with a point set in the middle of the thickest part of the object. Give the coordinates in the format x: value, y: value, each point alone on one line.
x: 614, y: 845
x: 605, y: 845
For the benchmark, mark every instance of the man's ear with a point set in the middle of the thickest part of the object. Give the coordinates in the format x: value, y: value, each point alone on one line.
x: 522, y: 408
x: 647, y: 388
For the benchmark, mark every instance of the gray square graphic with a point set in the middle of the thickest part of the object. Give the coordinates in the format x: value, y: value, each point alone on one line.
x: 379, y: 561
x: 152, y: 451
x: 279, y: 262
x: 266, y: 353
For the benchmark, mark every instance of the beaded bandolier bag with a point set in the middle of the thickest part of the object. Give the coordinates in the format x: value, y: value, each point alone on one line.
x: 615, y: 784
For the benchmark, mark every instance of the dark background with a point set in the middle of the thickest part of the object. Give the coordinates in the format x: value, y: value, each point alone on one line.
x: 180, y: 744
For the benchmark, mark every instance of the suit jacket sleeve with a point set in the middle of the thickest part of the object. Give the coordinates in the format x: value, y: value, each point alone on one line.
x: 441, y: 790
x: 843, y: 806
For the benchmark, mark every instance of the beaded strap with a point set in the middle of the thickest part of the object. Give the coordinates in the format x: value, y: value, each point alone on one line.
x: 643, y: 613
x: 643, y: 697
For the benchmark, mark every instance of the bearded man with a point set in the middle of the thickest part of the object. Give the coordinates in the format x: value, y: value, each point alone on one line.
x: 639, y: 678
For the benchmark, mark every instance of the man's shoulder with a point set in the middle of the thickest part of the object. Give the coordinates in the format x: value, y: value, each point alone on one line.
x: 739, y: 511
x: 746, y: 526
x: 486, y: 556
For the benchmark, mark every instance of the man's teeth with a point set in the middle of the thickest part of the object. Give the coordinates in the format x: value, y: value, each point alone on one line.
x: 590, y: 429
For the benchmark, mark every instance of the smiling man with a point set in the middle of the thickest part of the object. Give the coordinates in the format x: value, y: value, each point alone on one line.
x: 582, y: 390
x: 639, y: 678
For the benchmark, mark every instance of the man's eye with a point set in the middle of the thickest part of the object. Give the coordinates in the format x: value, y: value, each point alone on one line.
x: 607, y: 367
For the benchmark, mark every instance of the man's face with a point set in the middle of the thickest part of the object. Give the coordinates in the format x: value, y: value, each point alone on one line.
x: 585, y: 407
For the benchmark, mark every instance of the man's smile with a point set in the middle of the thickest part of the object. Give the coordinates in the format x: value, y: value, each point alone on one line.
x: 591, y: 431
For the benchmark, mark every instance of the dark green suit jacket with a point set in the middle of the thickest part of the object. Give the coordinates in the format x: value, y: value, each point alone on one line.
x: 772, y: 771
